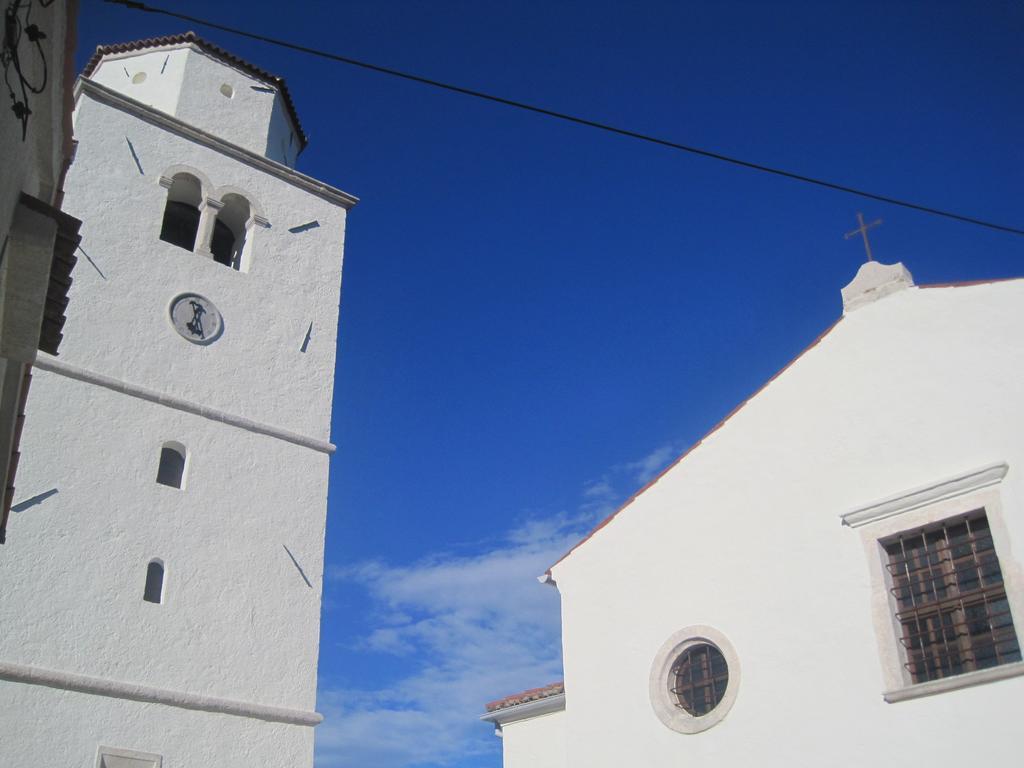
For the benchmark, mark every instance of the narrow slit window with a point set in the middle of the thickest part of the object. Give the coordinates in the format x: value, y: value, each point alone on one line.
x: 181, y: 213
x: 154, y: 592
x: 229, y: 231
x: 171, y: 471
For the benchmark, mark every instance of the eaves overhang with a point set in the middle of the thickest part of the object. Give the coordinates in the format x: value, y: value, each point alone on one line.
x: 525, y: 711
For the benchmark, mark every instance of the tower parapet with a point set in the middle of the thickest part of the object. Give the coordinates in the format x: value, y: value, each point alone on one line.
x: 206, y: 87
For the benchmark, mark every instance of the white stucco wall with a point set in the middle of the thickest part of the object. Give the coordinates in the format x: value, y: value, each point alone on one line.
x: 120, y: 324
x: 184, y: 81
x: 238, y: 620
x: 64, y: 729
x: 744, y: 535
x: 538, y: 742
x: 222, y: 671
x: 282, y: 141
x: 153, y: 77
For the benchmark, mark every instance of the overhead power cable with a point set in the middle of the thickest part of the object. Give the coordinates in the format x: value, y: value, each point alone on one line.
x: 139, y: 6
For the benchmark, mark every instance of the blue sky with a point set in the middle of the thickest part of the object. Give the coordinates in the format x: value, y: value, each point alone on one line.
x: 536, y: 317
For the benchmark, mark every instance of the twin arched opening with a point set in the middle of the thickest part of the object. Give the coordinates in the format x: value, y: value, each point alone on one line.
x: 217, y: 228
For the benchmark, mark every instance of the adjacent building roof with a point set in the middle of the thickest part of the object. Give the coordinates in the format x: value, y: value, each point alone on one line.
x: 215, y: 51
x: 534, y: 694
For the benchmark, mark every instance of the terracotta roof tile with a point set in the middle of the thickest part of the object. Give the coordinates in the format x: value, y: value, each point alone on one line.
x: 218, y: 52
x: 552, y: 689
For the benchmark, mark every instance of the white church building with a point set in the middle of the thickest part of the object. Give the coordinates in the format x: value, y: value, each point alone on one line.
x: 833, y: 576
x: 163, y: 566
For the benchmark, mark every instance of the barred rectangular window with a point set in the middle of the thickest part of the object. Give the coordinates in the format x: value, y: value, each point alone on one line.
x: 950, y: 600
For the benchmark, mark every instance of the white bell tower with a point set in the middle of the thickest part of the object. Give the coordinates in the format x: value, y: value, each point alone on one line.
x: 160, y: 585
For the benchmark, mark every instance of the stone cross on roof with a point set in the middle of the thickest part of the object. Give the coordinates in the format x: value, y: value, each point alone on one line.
x: 863, y: 231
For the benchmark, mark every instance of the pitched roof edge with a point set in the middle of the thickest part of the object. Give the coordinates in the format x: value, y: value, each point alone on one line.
x: 547, y: 574
x: 959, y: 284
x: 970, y: 283
x: 192, y: 38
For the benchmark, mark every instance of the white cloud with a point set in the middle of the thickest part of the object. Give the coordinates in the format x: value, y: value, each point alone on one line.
x: 389, y: 640
x: 598, y: 489
x: 483, y: 627
x: 644, y: 469
x: 466, y: 629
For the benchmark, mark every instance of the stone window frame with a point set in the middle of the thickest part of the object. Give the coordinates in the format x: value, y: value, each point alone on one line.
x: 154, y: 760
x: 880, y: 521
x: 663, y: 701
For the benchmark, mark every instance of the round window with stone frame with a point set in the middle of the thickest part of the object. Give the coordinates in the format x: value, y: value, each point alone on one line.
x: 694, y: 679
x: 699, y: 679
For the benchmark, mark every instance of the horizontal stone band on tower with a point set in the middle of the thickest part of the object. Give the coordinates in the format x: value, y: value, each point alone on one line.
x: 22, y: 673
x: 53, y: 365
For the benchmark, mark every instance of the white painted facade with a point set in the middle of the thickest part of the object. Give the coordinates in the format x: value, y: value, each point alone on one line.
x: 537, y: 742
x: 532, y: 732
x: 221, y: 672
x: 907, y: 412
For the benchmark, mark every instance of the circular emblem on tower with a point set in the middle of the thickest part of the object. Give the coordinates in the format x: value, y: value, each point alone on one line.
x: 196, y: 318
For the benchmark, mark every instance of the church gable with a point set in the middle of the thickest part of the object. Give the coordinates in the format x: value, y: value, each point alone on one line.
x: 836, y: 373
x: 776, y: 573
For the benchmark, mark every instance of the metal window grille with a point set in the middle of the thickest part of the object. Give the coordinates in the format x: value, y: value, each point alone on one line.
x: 700, y: 677
x: 950, y: 599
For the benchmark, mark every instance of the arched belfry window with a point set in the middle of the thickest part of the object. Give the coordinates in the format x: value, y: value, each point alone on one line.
x: 181, y: 213
x: 154, y: 592
x: 171, y: 471
x: 229, y: 231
